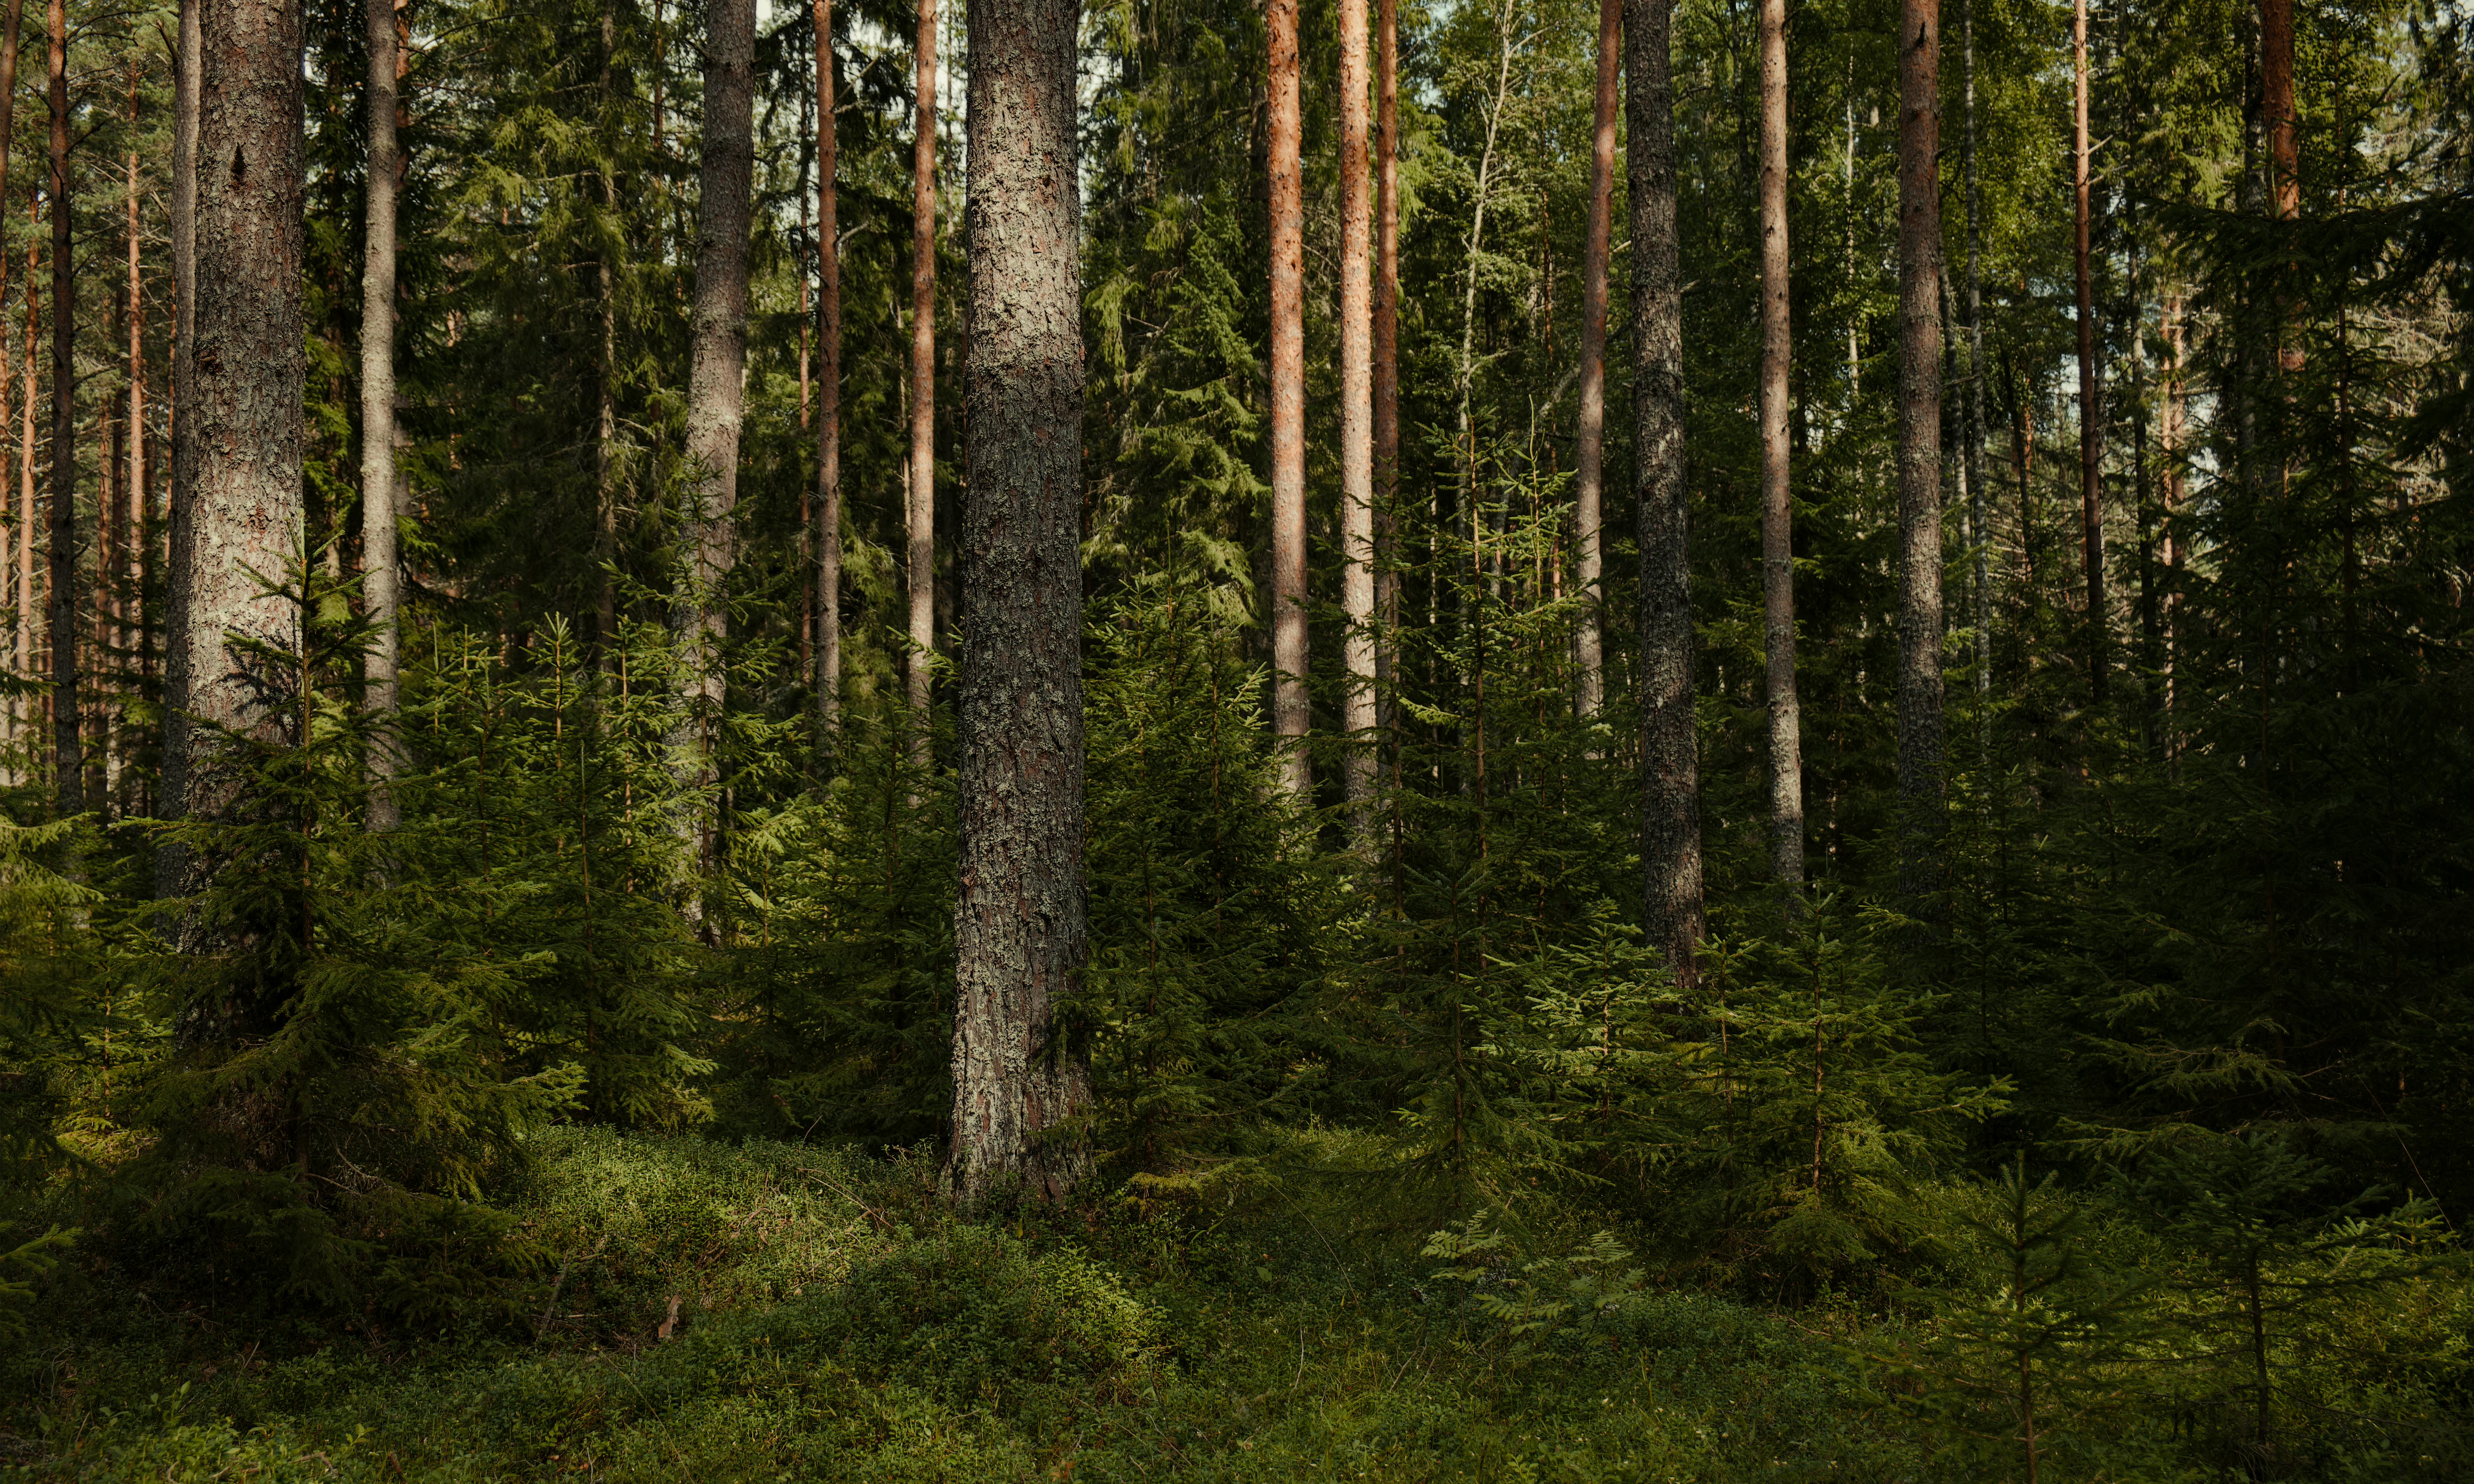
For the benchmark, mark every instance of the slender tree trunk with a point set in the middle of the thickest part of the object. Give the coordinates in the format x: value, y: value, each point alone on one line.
x: 171, y: 868
x: 1920, y: 347
x: 1019, y: 925
x: 829, y: 397
x: 24, y: 637
x: 1387, y: 361
x: 1670, y: 829
x: 1356, y: 428
x: 2284, y: 149
x: 717, y: 359
x: 26, y: 513
x: 922, y: 502
x: 242, y: 415
x: 1589, y: 459
x: 1981, y: 594
x: 605, y: 443
x: 2170, y: 496
x: 378, y: 577
x: 1292, y: 717
x: 68, y: 757
x: 133, y: 482
x: 1778, y: 557
x: 2090, y: 416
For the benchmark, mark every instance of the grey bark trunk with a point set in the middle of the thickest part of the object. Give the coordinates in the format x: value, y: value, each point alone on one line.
x: 1919, y: 350
x: 828, y: 401
x: 242, y: 424
x: 1292, y: 715
x: 1670, y: 816
x: 1589, y: 454
x: 1356, y: 428
x: 1019, y: 922
x: 69, y: 758
x: 378, y: 582
x: 717, y: 358
x: 920, y: 514
x: 1386, y: 370
x: 1778, y: 557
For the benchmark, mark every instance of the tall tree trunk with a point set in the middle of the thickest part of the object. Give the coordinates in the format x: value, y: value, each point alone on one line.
x: 68, y: 757
x: 1778, y: 555
x: 2168, y: 516
x: 717, y: 359
x: 24, y: 635
x: 134, y: 483
x: 1356, y: 428
x: 379, y: 578
x: 1589, y: 459
x: 2090, y: 416
x: 1019, y: 926
x: 921, y: 514
x: 605, y: 441
x: 1981, y: 533
x: 31, y: 712
x: 244, y: 424
x: 1387, y: 363
x: 1671, y: 831
x: 829, y: 399
x: 1290, y: 713
x: 1920, y: 346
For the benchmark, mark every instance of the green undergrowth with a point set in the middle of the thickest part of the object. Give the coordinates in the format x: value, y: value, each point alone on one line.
x: 704, y: 1311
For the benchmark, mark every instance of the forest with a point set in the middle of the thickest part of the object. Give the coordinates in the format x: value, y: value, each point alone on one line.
x: 1480, y: 740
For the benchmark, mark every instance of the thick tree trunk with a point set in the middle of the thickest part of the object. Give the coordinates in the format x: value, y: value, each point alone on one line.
x: 1588, y: 461
x: 1387, y: 363
x: 716, y: 365
x: 1982, y: 534
x: 829, y: 400
x: 1671, y: 831
x: 69, y: 758
x: 921, y: 512
x: 1920, y: 347
x: 1777, y: 557
x: 1019, y: 925
x: 379, y: 578
x: 1292, y: 715
x: 1356, y: 428
x: 2090, y: 416
x: 171, y: 862
x: 241, y: 412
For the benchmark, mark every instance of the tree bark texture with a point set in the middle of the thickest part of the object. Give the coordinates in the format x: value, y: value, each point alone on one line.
x: 1778, y: 557
x: 379, y: 578
x: 1589, y: 453
x: 1980, y: 535
x: 1920, y: 349
x: 921, y: 510
x: 828, y: 680
x: 2091, y: 414
x: 1386, y: 370
x: 1019, y: 925
x: 23, y: 636
x: 1356, y: 425
x: 2276, y: 106
x: 238, y: 528
x: 26, y: 502
x: 717, y: 366
x: 69, y: 758
x: 1292, y: 715
x: 1670, y: 849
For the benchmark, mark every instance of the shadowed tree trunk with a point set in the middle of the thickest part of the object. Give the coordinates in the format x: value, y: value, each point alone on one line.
x: 2090, y: 416
x: 1290, y: 714
x: 605, y: 443
x: 1981, y: 586
x: 921, y: 506
x: 378, y: 587
x: 1589, y: 459
x: 1670, y: 829
x: 1019, y: 924
x: 242, y: 425
x: 25, y: 577
x: 68, y: 757
x: 1356, y: 428
x: 717, y: 358
x: 1387, y: 357
x: 1920, y: 347
x: 828, y: 680
x: 1777, y: 559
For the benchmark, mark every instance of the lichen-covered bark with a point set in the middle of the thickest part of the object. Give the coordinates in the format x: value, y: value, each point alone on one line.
x: 1292, y: 715
x: 1356, y: 426
x: 237, y: 497
x: 1670, y: 829
x: 1018, y: 933
x: 1920, y: 347
x: 716, y: 363
x: 1778, y: 553
x: 1589, y: 451
x: 377, y: 410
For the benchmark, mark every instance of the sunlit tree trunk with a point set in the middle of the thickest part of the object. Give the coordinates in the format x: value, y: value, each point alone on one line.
x: 2284, y: 148
x: 69, y: 758
x: 134, y: 481
x: 1920, y: 347
x: 1290, y: 714
x: 921, y: 512
x: 242, y: 408
x: 2090, y: 416
x: 25, y: 620
x: 716, y: 365
x: 1356, y: 426
x: 1019, y: 926
x: 1670, y: 759
x: 379, y: 580
x: 1982, y: 534
x: 1590, y: 456
x: 829, y: 399
x: 1778, y: 557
